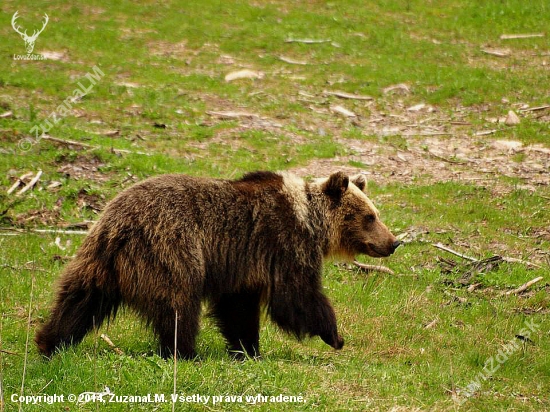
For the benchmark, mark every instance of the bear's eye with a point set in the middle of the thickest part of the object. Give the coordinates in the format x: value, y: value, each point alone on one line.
x: 369, y: 219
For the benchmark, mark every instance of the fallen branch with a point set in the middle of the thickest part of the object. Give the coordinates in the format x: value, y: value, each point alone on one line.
x: 373, y: 268
x: 68, y: 142
x: 520, y: 36
x: 89, y: 146
x: 344, y: 95
x: 232, y: 115
x: 19, y: 181
x: 109, y: 342
x: 502, y: 258
x: 308, y: 41
x: 524, y: 262
x: 62, y: 231
x: 446, y: 249
x: 292, y: 61
x: 523, y: 287
x: 9, y: 352
x: 31, y: 183
x: 535, y: 109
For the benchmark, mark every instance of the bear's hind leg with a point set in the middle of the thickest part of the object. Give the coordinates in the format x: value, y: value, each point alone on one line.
x: 187, y: 328
x: 238, y: 317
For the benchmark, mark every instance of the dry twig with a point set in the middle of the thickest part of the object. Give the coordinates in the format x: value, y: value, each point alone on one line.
x: 520, y: 36
x: 19, y: 181
x: 344, y: 95
x: 31, y: 183
x: 373, y: 268
x: 109, y: 342
x: 446, y: 249
x: 523, y: 287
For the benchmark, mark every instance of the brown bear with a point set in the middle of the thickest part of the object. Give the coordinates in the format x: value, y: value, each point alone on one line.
x: 169, y: 243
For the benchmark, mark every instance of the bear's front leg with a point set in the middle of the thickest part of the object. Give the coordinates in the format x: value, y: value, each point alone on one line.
x: 305, y: 312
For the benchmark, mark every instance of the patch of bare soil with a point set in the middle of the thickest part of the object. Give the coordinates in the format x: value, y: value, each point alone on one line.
x: 84, y: 168
x: 440, y: 159
x: 420, y: 145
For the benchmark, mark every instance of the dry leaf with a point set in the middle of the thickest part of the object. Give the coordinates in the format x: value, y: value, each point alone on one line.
x: 343, y: 111
x: 512, y: 119
x: 345, y: 95
x: 244, y: 74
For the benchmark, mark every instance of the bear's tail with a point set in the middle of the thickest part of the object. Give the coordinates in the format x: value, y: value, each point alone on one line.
x: 87, y: 295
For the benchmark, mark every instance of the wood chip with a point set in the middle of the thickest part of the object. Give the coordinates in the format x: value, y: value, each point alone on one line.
x: 5, y: 115
x: 520, y: 36
x: 431, y: 324
x: 244, y: 74
x: 54, y: 185
x: 344, y: 95
x: 416, y: 107
x: 292, y: 61
x: 343, y: 111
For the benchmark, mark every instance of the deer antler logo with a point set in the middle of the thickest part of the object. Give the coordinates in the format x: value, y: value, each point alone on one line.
x: 29, y: 40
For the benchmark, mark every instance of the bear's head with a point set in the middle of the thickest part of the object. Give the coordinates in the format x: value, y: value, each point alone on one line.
x: 355, y: 222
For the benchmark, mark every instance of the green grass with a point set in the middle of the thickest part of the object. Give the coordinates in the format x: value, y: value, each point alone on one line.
x: 165, y: 64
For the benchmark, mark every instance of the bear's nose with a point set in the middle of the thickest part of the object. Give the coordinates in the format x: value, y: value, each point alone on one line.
x: 396, y: 244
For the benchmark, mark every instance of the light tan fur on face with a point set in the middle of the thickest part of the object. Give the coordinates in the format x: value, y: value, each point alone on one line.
x: 350, y: 235
x: 361, y: 195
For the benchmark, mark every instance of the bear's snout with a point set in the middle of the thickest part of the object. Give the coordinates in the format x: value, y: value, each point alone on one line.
x: 395, y: 245
x: 384, y: 250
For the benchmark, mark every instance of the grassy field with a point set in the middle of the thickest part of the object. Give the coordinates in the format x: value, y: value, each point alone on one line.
x: 414, y: 94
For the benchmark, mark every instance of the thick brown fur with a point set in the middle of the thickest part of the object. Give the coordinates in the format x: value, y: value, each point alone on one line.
x: 167, y: 244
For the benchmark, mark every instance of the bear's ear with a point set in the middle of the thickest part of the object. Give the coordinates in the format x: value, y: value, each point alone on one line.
x: 360, y: 182
x: 336, y: 185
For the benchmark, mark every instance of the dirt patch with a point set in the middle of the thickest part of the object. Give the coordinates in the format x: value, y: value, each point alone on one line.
x: 419, y: 144
x: 84, y: 168
x: 435, y: 159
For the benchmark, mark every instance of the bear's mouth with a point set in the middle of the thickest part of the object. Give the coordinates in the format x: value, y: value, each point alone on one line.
x: 373, y: 251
